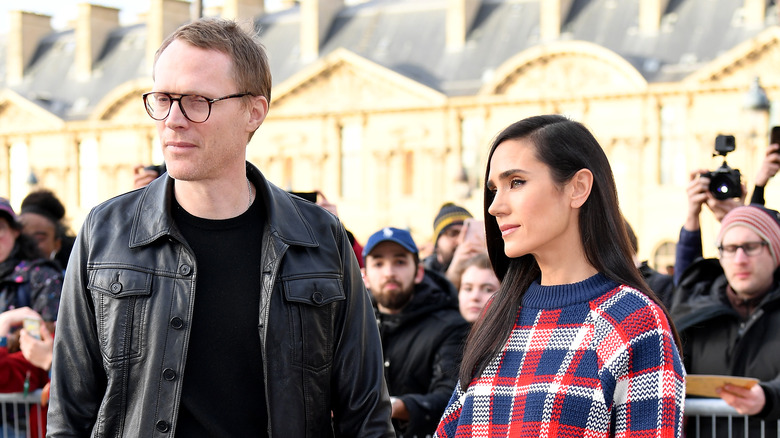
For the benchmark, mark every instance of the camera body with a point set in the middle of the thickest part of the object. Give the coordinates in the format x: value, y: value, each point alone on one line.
x: 725, y: 182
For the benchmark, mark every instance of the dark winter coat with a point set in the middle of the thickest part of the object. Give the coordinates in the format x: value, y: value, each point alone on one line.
x: 716, y: 340
x: 36, y: 284
x: 661, y: 284
x: 422, y: 350
x: 124, y: 323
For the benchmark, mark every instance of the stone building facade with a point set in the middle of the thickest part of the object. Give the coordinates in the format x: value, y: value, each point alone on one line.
x: 389, y: 106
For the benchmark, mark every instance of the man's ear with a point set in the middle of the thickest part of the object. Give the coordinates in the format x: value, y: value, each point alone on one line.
x: 365, y: 278
x: 581, y: 184
x: 258, y: 109
x: 418, y: 277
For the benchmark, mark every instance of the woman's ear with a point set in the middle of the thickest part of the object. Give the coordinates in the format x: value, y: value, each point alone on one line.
x: 581, y: 184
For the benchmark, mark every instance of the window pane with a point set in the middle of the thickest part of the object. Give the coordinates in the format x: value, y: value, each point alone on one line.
x: 20, y: 172
x: 671, y: 160
x: 473, y: 153
x: 351, y: 167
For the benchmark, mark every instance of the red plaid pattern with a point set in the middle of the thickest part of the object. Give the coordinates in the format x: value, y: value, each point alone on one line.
x: 592, y: 359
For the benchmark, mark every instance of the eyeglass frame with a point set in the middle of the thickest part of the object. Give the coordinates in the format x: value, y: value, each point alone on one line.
x: 181, y: 107
x: 748, y: 252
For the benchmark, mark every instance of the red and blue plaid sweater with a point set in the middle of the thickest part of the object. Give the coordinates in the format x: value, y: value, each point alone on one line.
x: 590, y: 359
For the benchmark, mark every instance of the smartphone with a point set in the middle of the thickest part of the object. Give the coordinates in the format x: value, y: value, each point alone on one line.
x: 774, y: 137
x: 33, y: 327
x: 473, y: 231
x: 309, y: 196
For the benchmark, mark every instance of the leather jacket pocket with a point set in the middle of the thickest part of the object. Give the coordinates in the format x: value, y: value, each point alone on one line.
x: 312, y: 302
x: 121, y: 297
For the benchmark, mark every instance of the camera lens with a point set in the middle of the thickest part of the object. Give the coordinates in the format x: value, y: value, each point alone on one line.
x: 725, y: 186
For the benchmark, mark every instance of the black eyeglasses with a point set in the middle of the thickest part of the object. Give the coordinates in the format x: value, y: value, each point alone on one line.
x: 195, y: 108
x: 750, y: 248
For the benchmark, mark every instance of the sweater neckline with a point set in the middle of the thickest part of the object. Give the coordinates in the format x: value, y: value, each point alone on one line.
x: 562, y: 295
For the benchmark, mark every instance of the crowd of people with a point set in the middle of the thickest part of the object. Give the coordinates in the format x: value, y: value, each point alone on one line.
x: 209, y: 302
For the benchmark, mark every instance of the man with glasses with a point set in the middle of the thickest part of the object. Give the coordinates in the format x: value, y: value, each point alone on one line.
x: 211, y: 302
x: 727, y: 311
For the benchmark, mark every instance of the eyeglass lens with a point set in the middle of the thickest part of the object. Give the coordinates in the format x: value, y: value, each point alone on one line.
x: 195, y: 108
x: 750, y: 248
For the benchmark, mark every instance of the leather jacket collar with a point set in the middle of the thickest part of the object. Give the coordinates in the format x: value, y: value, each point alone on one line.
x: 284, y: 219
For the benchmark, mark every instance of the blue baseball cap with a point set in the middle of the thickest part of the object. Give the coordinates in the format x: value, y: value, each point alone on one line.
x: 388, y: 234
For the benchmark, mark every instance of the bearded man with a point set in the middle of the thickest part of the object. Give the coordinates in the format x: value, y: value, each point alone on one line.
x: 421, y: 329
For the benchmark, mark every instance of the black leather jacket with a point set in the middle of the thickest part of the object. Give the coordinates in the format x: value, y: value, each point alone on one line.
x: 123, y: 327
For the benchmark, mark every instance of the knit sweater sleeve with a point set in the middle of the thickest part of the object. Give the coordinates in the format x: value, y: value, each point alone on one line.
x: 643, y: 372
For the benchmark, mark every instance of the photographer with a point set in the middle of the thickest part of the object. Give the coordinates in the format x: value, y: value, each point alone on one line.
x: 689, y: 246
x: 727, y: 312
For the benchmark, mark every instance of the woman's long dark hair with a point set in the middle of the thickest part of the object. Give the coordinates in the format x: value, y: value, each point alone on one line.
x: 565, y: 147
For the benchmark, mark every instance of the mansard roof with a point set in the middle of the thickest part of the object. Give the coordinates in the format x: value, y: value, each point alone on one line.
x: 51, y: 82
x: 407, y: 37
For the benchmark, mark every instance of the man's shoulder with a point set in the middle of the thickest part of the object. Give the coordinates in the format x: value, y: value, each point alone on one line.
x: 121, y: 207
x: 283, y: 204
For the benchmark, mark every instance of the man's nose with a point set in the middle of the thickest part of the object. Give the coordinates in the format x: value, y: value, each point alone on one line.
x: 176, y: 114
x: 740, y: 255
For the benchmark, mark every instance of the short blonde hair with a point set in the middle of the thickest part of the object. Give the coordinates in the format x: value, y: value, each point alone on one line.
x: 251, y: 71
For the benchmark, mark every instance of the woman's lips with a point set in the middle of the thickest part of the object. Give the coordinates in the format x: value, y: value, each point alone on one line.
x: 508, y: 229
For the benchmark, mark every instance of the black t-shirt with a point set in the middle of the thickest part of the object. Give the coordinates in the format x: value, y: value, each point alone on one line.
x: 223, y: 388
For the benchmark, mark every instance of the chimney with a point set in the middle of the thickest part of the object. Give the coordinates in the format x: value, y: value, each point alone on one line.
x: 754, y: 12
x: 244, y: 12
x: 650, y: 13
x: 26, y: 31
x: 242, y: 9
x: 165, y: 16
x: 552, y: 13
x: 460, y: 17
x: 316, y: 18
x: 93, y: 25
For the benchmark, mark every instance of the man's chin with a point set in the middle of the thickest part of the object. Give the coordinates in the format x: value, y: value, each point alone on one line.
x: 392, y: 301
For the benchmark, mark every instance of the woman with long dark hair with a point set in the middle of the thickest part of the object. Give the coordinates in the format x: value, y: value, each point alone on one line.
x: 574, y: 343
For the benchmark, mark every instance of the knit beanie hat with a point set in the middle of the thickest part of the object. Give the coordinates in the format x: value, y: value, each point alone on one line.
x: 764, y: 222
x: 449, y: 214
x: 8, y: 211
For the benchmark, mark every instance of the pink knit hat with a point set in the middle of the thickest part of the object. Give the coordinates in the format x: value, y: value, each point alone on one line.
x: 762, y: 221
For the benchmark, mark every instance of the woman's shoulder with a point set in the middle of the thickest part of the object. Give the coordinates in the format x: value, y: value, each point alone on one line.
x: 625, y: 297
x: 630, y: 310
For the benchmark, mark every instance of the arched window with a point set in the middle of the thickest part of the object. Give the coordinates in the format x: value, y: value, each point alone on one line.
x: 663, y: 259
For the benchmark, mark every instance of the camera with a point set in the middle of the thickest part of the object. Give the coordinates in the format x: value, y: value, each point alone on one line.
x: 725, y: 182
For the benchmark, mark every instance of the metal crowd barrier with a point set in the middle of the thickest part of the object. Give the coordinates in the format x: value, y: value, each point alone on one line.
x: 699, y: 411
x: 15, y: 409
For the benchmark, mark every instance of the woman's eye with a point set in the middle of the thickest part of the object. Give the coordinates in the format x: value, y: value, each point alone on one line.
x: 516, y: 183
